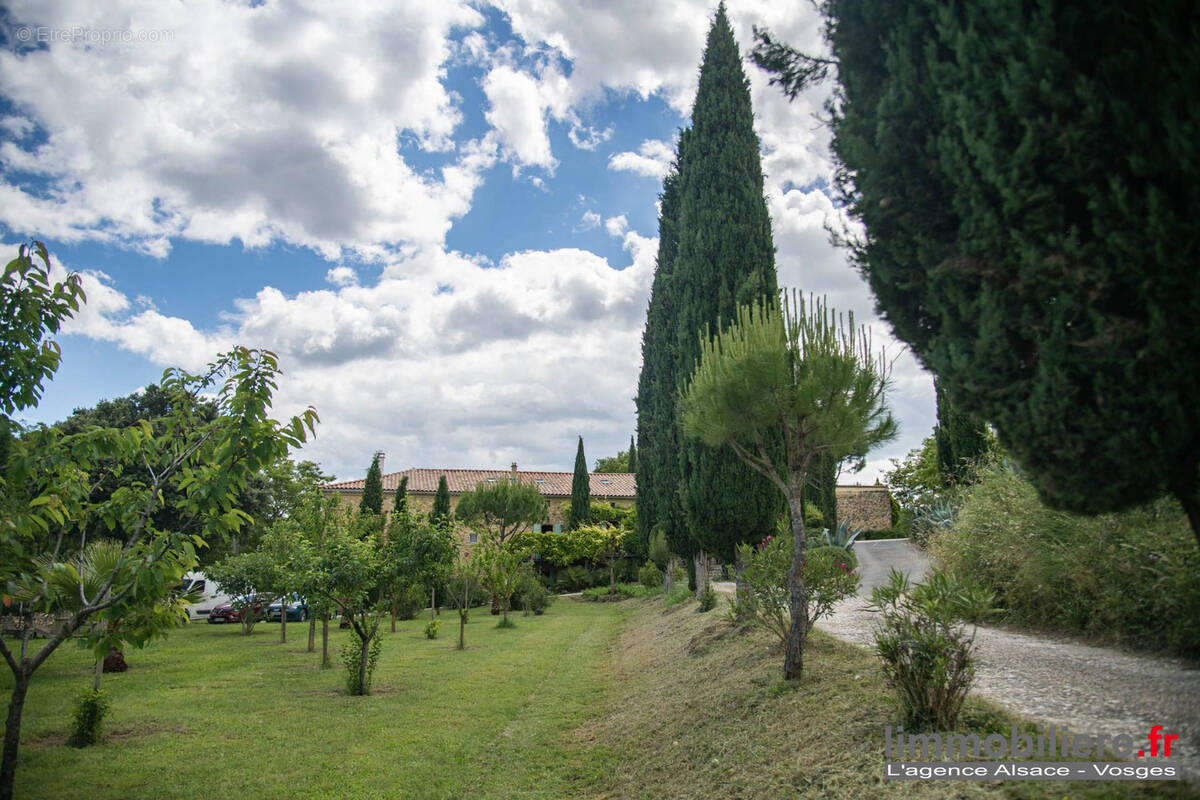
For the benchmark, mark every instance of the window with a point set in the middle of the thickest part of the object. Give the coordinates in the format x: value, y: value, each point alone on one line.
x: 539, y: 480
x: 474, y: 538
x: 547, y: 528
x: 491, y: 480
x: 605, y: 481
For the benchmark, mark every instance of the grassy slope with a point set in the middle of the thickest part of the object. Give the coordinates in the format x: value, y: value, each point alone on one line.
x: 208, y: 713
x: 702, y: 713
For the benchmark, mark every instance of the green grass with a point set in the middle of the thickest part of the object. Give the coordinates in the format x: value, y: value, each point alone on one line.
x: 209, y: 713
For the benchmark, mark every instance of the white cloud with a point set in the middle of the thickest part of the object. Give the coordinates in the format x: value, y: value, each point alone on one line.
x: 652, y: 159
x: 342, y: 276
x: 616, y: 226
x: 589, y: 221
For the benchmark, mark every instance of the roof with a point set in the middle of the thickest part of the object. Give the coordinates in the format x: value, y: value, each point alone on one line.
x: 616, y: 485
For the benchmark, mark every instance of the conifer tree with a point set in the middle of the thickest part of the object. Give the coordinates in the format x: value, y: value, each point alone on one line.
x: 440, y: 513
x: 372, y: 496
x: 961, y: 440
x: 657, y: 471
x: 581, y: 492
x: 632, y: 455
x: 725, y: 257
x: 401, y: 504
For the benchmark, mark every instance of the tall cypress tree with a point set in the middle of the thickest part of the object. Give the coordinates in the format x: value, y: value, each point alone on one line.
x: 821, y: 488
x: 581, y: 492
x: 440, y: 513
x: 372, y: 496
x: 632, y: 455
x: 657, y: 469
x: 726, y: 258
x: 401, y: 504
x: 961, y: 439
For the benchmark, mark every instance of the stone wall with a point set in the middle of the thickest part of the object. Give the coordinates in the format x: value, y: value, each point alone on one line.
x: 866, y: 507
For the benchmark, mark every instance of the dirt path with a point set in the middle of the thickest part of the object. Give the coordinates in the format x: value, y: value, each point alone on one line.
x: 1088, y: 689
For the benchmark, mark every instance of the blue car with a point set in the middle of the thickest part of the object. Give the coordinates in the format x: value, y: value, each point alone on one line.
x: 297, y: 609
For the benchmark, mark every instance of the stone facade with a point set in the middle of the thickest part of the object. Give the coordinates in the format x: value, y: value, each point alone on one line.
x: 866, y: 507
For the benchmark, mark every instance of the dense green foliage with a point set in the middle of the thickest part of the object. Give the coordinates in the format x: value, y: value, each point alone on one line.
x: 1027, y: 179
x: 87, y: 725
x: 1131, y: 577
x: 372, y: 496
x: 962, y: 440
x: 793, y: 370
x: 657, y: 469
x: 726, y: 258
x: 623, y: 461
x: 632, y: 466
x: 822, y: 487
x: 401, y: 499
x: 581, y: 492
x: 439, y: 513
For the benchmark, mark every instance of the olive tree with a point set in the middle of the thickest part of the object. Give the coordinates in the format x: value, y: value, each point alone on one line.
x: 796, y: 370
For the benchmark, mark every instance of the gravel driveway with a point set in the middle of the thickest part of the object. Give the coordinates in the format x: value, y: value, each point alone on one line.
x: 1088, y: 689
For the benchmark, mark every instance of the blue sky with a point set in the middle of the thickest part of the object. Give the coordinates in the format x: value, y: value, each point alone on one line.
x: 442, y: 216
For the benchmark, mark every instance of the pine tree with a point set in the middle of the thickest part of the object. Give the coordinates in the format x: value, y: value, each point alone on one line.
x: 726, y: 257
x: 401, y: 504
x: 632, y: 455
x: 440, y: 513
x: 657, y: 472
x: 961, y: 440
x: 581, y: 492
x: 372, y: 496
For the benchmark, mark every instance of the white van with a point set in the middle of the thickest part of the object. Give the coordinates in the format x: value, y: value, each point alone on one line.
x: 211, y: 595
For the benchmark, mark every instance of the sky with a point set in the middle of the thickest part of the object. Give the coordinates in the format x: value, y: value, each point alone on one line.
x: 441, y: 216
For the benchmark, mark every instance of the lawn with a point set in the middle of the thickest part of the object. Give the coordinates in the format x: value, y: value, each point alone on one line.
x: 210, y: 713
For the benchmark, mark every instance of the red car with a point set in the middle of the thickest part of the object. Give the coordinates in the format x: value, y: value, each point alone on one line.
x: 228, y: 612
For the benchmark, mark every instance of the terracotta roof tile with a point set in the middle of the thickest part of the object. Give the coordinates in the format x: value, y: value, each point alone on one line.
x: 616, y: 485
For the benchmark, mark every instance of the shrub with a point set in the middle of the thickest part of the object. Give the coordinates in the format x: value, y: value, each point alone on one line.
x: 534, y: 598
x: 432, y: 627
x: 763, y: 597
x: 411, y: 601
x: 707, y: 598
x: 926, y: 653
x: 351, y: 650
x: 1132, y: 577
x: 90, y: 709
x: 627, y: 570
x: 574, y: 579
x: 814, y: 520
x: 622, y: 591
x: 650, y: 575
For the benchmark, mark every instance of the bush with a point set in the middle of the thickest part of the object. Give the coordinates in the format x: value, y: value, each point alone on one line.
x: 351, y: 650
x: 707, y: 598
x: 622, y: 591
x: 432, y: 627
x: 650, y: 576
x: 627, y: 570
x: 411, y: 601
x: 813, y: 518
x: 90, y: 709
x: 763, y: 598
x: 926, y: 652
x: 1132, y: 577
x: 533, y: 597
x: 573, y: 579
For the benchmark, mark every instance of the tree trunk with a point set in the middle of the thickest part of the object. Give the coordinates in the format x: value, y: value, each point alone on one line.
x: 739, y: 592
x: 312, y: 634
x: 324, y: 640
x: 701, y: 562
x: 283, y: 621
x: 365, y: 646
x: 669, y: 576
x: 612, y: 577
x: 495, y: 604
x: 12, y: 735
x: 395, y: 611
x: 1190, y: 500
x: 432, y: 603
x: 462, y: 628
x: 793, y: 659
x: 97, y: 674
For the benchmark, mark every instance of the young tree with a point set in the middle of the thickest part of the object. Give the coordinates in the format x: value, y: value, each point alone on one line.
x: 314, y: 522
x: 372, y: 496
x: 798, y: 371
x: 500, y: 510
x: 425, y: 553
x: 499, y: 570
x: 199, y: 465
x: 440, y: 513
x: 726, y: 258
x: 247, y: 578
x: 1031, y: 206
x: 581, y: 492
x: 464, y: 577
x: 401, y: 503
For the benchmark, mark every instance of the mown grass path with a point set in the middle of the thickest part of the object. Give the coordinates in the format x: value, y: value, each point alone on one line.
x: 209, y: 713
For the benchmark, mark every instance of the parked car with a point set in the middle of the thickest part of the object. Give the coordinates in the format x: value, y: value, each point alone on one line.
x: 297, y: 609
x: 228, y: 612
x: 210, y: 593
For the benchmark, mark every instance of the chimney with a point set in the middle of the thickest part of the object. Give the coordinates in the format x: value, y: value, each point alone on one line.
x: 379, y: 456
x: 514, y: 470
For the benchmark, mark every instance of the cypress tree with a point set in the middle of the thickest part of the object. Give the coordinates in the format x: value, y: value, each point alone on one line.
x: 657, y: 471
x: 372, y: 496
x: 1027, y: 179
x: 402, y: 496
x: 961, y: 439
x: 632, y: 455
x: 725, y: 258
x: 581, y: 492
x: 821, y: 487
x: 440, y: 513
